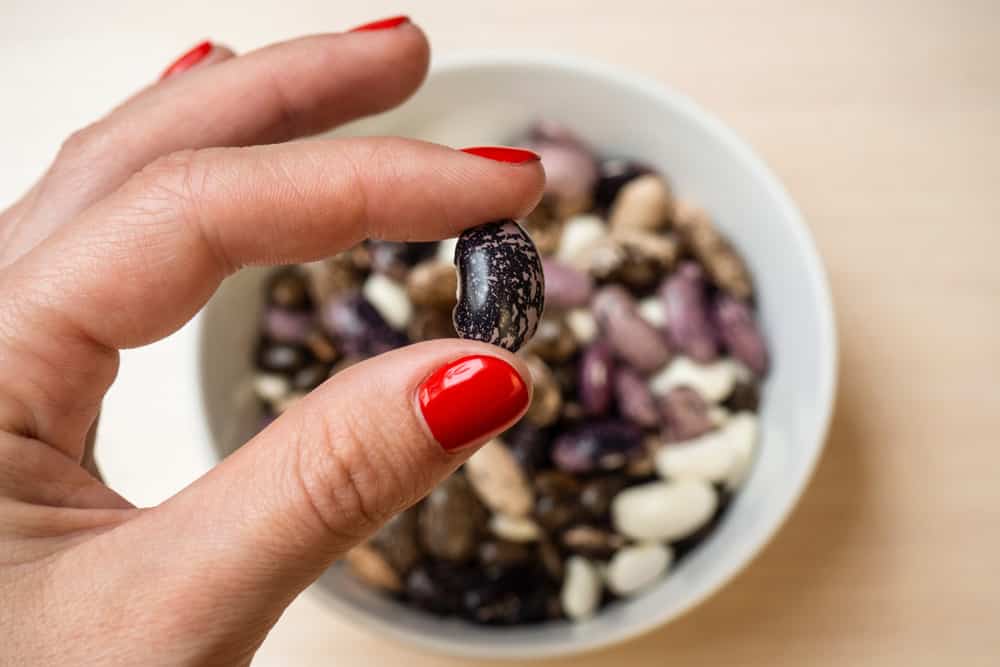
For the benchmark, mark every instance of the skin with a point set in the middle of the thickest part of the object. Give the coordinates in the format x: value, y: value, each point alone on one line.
x: 125, y: 237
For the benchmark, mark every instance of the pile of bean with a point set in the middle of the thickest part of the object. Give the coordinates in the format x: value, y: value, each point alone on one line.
x: 646, y: 368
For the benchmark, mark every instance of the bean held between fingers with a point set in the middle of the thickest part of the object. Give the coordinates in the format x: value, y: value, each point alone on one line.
x: 501, y: 285
x: 635, y: 318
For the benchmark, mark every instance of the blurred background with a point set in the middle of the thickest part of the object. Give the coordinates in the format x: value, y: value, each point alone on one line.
x: 880, y: 118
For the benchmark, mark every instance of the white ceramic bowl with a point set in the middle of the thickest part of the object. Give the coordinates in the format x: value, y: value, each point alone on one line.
x: 489, y: 98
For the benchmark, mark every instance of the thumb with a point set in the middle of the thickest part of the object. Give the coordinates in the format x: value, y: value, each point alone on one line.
x: 236, y: 546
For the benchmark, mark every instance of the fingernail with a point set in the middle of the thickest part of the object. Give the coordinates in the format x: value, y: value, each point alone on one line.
x: 503, y: 154
x: 188, y: 60
x: 471, y: 397
x: 382, y: 24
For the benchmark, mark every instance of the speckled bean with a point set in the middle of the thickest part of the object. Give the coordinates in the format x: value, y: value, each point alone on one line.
x: 605, y: 445
x: 740, y: 333
x: 635, y: 401
x: 565, y: 287
x: 501, y: 285
x: 595, y: 379
x: 686, y: 307
x: 632, y: 338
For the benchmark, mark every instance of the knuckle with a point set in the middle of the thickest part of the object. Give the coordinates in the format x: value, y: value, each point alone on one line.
x: 170, y: 189
x: 83, y: 145
x: 341, y: 480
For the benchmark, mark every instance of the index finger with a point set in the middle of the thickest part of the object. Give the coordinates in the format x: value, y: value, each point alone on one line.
x: 136, y: 266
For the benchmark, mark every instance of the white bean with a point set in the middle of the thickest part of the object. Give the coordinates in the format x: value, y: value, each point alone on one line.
x: 663, y: 511
x: 651, y: 309
x: 271, y: 388
x: 579, y: 234
x: 742, y: 428
x: 634, y: 568
x: 714, y: 381
x: 583, y: 325
x: 581, y: 590
x: 514, y: 528
x: 389, y: 299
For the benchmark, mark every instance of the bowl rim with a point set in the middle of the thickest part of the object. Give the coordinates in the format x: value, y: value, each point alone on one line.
x: 795, y: 226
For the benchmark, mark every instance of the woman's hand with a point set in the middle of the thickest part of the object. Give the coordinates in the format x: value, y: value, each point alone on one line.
x: 126, y: 236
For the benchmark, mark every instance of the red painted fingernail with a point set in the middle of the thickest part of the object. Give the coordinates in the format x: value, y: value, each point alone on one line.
x: 470, y: 398
x: 188, y: 60
x: 503, y: 154
x: 382, y: 24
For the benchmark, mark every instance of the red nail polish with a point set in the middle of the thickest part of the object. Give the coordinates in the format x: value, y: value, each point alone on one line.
x: 470, y: 398
x: 382, y: 24
x: 188, y: 60
x: 503, y: 154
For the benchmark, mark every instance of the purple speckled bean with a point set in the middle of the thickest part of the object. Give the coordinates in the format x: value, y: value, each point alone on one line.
x: 287, y: 326
x: 595, y: 379
x: 740, y: 333
x: 570, y: 168
x: 688, y: 319
x: 685, y: 415
x: 632, y: 338
x: 358, y: 326
x: 635, y: 401
x: 565, y: 287
x: 603, y: 445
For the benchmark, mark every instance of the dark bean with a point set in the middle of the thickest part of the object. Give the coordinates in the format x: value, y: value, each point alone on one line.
x: 744, y: 397
x: 528, y: 444
x: 595, y: 379
x: 548, y: 556
x: 613, y: 174
x: 556, y: 499
x: 544, y: 227
x: 501, y: 285
x: 645, y: 258
x: 394, y: 259
x: 359, y: 327
x: 592, y: 542
x: 572, y: 414
x: 433, y: 284
x: 567, y: 377
x: 596, y: 495
x: 506, y: 597
x: 554, y: 341
x: 501, y: 552
x: 685, y: 415
x: 546, y: 399
x: 287, y: 288
x: 398, y: 540
x: 281, y: 357
x: 430, y: 324
x: 604, y: 445
x: 432, y: 588
x: 451, y: 519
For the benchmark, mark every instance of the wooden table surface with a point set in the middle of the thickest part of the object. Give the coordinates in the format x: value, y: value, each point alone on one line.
x: 883, y: 120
